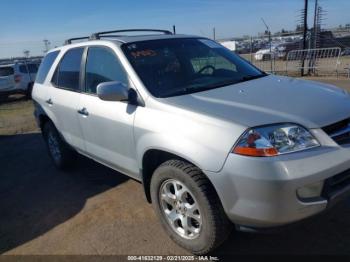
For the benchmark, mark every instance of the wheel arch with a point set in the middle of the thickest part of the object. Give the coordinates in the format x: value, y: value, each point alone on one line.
x: 151, y: 160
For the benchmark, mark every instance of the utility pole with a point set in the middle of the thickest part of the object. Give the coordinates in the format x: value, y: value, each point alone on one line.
x: 312, y: 61
x: 251, y: 49
x: 304, y: 34
x: 270, y: 42
x: 174, y: 30
x: 315, y: 24
x: 214, y: 36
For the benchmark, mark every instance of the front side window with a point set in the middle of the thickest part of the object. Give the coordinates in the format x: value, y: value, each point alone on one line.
x: 171, y: 67
x: 102, y: 65
x: 45, y: 66
x: 67, y: 74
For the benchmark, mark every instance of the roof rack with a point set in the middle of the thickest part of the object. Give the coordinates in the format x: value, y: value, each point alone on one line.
x: 98, y: 35
x: 69, y: 41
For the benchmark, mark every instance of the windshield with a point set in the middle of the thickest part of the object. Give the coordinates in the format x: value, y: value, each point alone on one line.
x: 186, y: 65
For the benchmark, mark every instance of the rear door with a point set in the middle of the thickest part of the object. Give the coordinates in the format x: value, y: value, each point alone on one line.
x: 42, y: 83
x: 7, y: 82
x: 64, y: 97
x: 24, y: 76
x: 107, y: 126
x: 32, y: 69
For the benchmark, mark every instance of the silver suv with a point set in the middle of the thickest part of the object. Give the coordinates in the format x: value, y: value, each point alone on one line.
x: 17, y: 77
x: 213, y: 139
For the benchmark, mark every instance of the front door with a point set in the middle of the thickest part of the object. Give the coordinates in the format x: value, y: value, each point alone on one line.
x: 107, y: 126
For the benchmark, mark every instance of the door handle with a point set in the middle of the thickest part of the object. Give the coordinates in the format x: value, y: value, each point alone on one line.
x: 83, y: 111
x: 49, y: 101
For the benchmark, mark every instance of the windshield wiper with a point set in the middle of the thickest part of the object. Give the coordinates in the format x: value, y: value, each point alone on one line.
x: 198, y: 88
x: 251, y: 77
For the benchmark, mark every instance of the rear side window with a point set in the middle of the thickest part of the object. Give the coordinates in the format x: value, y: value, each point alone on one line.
x: 6, y: 71
x: 102, y: 65
x: 45, y: 66
x: 68, y: 72
x: 23, y: 69
x: 31, y: 68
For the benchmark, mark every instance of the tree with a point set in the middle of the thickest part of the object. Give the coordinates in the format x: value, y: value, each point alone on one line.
x: 26, y: 53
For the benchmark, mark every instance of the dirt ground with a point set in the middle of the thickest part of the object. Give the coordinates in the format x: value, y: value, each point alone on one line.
x: 94, y: 210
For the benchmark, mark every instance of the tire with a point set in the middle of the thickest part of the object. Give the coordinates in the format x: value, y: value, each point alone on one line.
x: 60, y: 152
x: 29, y: 91
x: 210, y: 227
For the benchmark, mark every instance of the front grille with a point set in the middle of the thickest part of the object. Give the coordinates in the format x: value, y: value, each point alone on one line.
x: 339, y: 131
x: 335, y: 185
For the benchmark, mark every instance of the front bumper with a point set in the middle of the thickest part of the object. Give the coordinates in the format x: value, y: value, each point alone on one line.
x: 261, y: 192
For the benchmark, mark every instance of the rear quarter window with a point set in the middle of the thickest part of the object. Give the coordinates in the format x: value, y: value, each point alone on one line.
x: 45, y: 66
x: 6, y: 71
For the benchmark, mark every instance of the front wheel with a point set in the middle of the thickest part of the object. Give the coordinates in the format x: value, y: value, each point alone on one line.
x: 188, y: 207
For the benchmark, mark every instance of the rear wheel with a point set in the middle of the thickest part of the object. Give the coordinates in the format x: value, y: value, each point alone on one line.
x: 61, y: 154
x: 188, y: 207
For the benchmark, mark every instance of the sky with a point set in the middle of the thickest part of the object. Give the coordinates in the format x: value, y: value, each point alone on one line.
x: 25, y: 24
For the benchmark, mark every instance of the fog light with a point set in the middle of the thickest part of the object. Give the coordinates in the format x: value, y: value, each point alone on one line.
x: 310, y: 191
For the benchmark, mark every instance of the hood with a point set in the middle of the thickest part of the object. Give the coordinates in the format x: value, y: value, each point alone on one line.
x: 271, y: 99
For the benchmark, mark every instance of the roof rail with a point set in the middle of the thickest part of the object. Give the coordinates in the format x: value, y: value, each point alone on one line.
x: 69, y: 41
x: 99, y: 34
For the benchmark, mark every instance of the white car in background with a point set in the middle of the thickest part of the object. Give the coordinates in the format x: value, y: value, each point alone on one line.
x: 264, y: 54
x: 17, y: 78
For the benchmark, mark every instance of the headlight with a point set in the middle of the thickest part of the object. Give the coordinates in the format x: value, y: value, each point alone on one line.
x: 275, y: 140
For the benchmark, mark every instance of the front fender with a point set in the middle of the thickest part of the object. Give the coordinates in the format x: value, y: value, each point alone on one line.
x: 201, y: 140
x: 184, y: 148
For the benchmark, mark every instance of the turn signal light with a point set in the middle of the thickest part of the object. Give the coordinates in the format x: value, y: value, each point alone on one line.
x: 17, y: 78
x: 249, y: 151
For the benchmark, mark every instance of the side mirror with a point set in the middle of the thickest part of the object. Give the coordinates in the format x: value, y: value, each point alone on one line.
x: 113, y: 91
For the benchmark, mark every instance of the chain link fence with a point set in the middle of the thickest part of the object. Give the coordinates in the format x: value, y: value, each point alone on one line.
x: 284, y: 56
